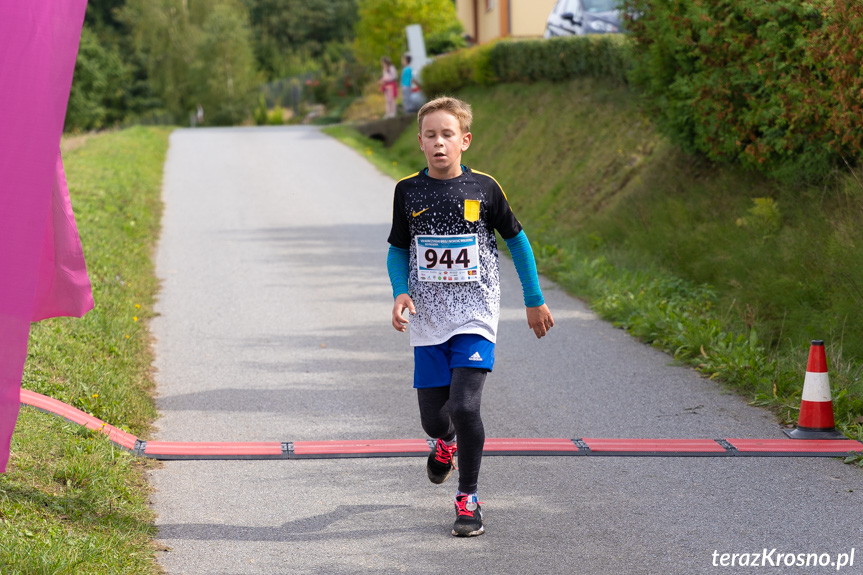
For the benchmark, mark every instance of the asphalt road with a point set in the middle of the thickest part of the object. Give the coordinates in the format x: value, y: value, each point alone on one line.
x: 275, y: 326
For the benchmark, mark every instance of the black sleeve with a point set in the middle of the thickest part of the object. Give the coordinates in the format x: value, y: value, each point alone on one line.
x: 501, y: 217
x: 400, y: 235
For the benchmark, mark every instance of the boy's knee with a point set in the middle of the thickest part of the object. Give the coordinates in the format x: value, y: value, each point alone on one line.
x: 464, y: 413
x: 438, y: 429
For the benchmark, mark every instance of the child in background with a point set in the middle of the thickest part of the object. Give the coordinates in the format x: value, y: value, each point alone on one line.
x: 411, y: 97
x: 389, y: 86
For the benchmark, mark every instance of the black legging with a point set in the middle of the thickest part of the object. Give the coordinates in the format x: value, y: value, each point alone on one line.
x: 454, y: 411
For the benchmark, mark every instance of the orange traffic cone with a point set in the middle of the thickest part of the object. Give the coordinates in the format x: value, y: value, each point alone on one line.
x: 816, y: 408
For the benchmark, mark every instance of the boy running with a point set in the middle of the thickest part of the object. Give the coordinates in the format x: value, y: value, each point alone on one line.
x: 443, y: 266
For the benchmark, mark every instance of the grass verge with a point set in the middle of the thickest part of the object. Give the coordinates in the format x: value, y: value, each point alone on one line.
x: 727, y: 271
x: 396, y: 162
x: 71, y: 502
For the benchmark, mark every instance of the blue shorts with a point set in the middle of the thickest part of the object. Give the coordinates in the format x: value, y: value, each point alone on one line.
x: 433, y: 364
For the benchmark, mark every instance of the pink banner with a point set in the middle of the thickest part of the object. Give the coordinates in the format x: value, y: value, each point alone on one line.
x: 42, y: 271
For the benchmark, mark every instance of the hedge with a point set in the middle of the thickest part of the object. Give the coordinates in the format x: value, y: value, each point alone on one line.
x: 562, y: 58
x: 554, y: 59
x: 775, y: 85
x: 451, y: 72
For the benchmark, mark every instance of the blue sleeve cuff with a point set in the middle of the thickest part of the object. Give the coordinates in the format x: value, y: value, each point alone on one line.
x: 525, y: 266
x: 398, y: 267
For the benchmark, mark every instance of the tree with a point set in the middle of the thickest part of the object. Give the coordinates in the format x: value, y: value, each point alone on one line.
x: 380, y: 29
x: 289, y: 31
x: 164, y: 36
x: 102, y: 15
x: 224, y: 69
x: 196, y: 52
x: 110, y: 83
x: 98, y: 91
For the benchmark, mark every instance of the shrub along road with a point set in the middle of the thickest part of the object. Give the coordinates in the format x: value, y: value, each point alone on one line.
x: 274, y: 326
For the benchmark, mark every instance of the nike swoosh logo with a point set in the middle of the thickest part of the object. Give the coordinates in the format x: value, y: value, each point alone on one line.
x: 415, y: 214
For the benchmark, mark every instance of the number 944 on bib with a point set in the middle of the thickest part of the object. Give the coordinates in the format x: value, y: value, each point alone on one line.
x: 448, y: 258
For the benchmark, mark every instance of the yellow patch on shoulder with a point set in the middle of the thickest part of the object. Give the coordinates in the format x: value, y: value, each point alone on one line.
x: 471, y: 210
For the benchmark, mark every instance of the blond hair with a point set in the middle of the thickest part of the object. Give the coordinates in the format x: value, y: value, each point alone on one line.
x: 461, y: 110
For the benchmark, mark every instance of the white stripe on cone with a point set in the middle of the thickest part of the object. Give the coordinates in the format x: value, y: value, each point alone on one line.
x: 816, y: 387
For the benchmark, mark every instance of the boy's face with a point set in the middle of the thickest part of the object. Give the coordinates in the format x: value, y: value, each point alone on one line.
x: 443, y: 142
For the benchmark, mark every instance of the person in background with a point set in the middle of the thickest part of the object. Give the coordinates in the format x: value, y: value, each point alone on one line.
x: 389, y: 86
x: 410, y: 87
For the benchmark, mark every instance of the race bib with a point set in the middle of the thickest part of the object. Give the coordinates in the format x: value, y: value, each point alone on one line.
x: 448, y: 258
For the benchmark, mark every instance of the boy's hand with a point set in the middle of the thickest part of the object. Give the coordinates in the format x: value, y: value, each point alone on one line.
x: 539, y: 320
x: 403, y: 302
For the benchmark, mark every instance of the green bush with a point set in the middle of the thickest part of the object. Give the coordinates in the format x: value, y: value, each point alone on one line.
x: 772, y: 85
x: 276, y: 116
x: 555, y: 59
x: 451, y: 72
x: 560, y: 59
x: 260, y: 113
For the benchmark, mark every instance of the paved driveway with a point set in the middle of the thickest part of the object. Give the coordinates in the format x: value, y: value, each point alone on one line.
x: 275, y: 326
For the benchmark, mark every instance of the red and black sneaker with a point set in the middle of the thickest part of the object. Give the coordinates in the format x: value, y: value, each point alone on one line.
x: 468, y: 516
x: 440, y: 461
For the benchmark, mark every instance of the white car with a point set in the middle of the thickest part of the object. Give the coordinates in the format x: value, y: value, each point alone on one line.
x: 580, y: 17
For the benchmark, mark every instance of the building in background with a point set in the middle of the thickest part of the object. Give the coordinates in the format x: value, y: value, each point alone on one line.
x: 486, y: 20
